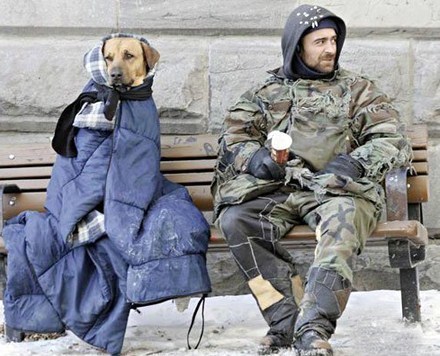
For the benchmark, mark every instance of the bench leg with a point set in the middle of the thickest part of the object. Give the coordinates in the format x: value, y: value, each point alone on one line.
x: 410, y: 291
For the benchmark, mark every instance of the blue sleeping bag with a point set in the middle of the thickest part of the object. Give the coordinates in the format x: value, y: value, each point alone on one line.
x: 115, y: 234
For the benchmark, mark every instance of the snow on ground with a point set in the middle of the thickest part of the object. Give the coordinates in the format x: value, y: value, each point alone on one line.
x: 371, y: 325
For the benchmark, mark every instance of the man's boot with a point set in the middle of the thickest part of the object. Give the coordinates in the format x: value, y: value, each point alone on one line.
x: 281, y: 318
x: 279, y: 310
x: 326, y: 295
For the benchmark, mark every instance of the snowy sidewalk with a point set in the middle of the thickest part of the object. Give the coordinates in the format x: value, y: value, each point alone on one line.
x: 371, y: 325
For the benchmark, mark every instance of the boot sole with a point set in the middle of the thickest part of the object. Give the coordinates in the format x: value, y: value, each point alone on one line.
x: 316, y: 352
x: 272, y: 350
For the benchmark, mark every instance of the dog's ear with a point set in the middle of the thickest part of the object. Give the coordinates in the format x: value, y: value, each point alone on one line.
x: 103, y: 51
x: 151, y: 55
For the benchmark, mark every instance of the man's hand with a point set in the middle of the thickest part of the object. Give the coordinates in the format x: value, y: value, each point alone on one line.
x: 261, y: 165
x: 344, y: 165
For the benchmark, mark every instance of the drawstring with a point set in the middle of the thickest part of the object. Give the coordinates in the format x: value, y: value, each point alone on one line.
x: 202, y: 303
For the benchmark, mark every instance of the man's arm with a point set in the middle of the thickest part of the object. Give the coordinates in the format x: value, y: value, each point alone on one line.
x: 244, y: 132
x: 381, y: 142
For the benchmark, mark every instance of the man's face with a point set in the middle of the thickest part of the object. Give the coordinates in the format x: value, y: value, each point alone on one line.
x: 318, y: 50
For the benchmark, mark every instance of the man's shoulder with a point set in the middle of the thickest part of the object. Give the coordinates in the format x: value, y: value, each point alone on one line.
x: 270, y: 85
x: 354, y: 76
x: 361, y: 85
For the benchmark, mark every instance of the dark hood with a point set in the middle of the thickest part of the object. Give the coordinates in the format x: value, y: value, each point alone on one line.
x: 301, y: 19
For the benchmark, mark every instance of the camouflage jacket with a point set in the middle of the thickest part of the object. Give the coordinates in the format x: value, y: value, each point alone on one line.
x: 347, y: 114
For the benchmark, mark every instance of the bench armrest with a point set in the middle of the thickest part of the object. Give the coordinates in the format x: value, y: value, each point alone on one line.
x: 396, y: 188
x: 403, y: 252
x: 5, y: 189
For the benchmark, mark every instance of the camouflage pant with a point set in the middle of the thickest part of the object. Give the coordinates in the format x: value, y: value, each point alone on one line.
x: 253, y: 230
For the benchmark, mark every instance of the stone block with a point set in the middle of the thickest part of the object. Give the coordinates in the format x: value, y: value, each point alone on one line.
x: 371, y: 269
x: 386, y: 62
x: 192, y: 15
x: 431, y: 212
x: 265, y: 16
x: 60, y: 13
x: 385, y: 14
x: 427, y: 83
x: 181, y: 86
x: 40, y: 76
x: 237, y: 65
x: 429, y: 270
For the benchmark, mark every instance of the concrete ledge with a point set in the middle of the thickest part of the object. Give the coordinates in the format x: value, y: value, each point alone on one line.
x: 215, y: 16
x: 371, y: 270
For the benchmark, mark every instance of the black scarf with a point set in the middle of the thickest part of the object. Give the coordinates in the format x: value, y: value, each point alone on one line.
x: 63, y: 141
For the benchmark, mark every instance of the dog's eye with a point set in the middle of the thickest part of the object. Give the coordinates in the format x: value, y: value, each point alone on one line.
x: 128, y: 55
x: 108, y: 58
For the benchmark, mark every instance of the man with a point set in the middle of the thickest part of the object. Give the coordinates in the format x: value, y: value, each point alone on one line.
x: 346, y: 137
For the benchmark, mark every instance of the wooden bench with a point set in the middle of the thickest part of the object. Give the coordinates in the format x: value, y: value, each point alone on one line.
x: 25, y: 172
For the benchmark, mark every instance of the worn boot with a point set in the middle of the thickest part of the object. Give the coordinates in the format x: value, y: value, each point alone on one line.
x: 281, y: 318
x: 325, y: 298
x: 273, y: 343
x: 280, y: 310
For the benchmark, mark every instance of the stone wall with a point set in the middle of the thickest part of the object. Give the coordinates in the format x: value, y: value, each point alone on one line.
x: 371, y: 269
x: 211, y: 51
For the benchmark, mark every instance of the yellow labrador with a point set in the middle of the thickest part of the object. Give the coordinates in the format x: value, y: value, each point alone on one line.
x: 128, y: 60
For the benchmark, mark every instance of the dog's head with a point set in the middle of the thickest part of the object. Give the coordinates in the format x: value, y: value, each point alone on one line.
x: 128, y: 61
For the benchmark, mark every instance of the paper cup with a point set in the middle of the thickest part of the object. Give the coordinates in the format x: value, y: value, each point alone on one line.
x: 280, y: 145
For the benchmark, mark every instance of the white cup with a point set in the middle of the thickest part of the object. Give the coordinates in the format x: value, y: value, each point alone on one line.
x: 280, y: 145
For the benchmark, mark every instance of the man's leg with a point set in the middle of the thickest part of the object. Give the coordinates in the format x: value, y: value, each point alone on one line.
x: 342, y: 226
x: 253, y: 237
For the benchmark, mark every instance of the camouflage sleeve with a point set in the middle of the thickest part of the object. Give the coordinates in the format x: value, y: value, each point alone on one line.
x: 379, y: 135
x: 244, y: 131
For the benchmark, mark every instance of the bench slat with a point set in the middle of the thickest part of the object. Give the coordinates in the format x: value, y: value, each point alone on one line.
x: 188, y: 165
x: 189, y: 146
x: 418, y: 187
x: 16, y: 203
x: 26, y: 155
x: 40, y: 184
x: 172, y: 146
x: 190, y: 178
x: 28, y: 184
x: 165, y: 166
x: 420, y: 155
x: 420, y: 167
x: 25, y: 172
x: 418, y: 192
x: 410, y: 229
x: 418, y: 135
x: 201, y: 195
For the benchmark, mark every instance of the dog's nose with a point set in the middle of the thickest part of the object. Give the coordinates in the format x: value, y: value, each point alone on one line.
x: 116, y: 73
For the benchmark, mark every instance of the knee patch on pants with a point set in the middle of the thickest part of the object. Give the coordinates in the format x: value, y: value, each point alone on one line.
x: 264, y: 292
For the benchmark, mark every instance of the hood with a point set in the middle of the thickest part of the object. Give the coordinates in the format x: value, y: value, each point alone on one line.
x: 94, y: 61
x: 301, y: 19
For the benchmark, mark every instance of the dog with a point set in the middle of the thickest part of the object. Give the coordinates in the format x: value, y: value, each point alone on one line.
x: 128, y: 61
